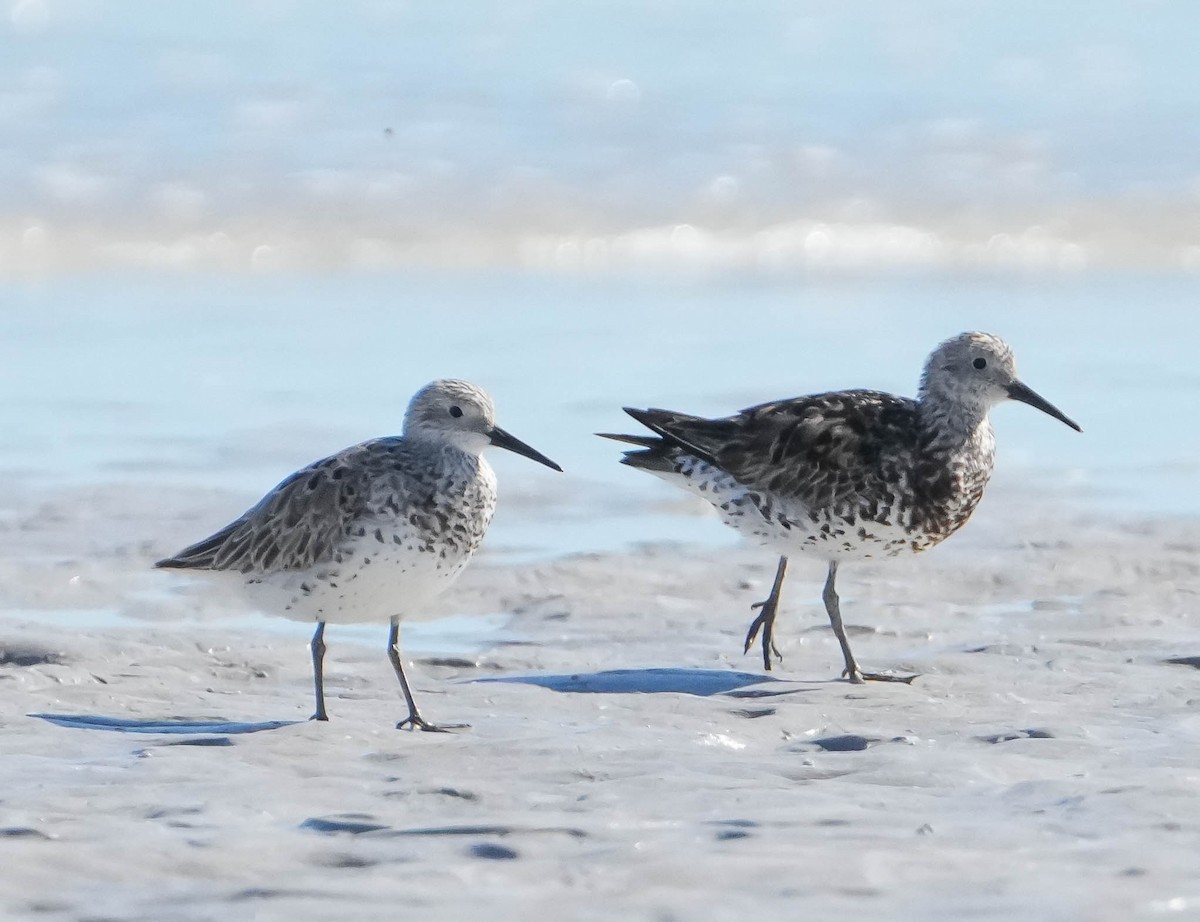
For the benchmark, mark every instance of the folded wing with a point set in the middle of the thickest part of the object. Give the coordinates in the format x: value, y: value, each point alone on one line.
x: 299, y: 524
x: 816, y: 450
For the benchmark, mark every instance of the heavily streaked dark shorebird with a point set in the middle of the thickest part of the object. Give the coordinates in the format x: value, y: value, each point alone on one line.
x: 373, y: 532
x: 845, y: 475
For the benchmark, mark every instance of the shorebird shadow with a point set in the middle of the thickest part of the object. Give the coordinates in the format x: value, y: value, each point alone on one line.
x: 703, y: 682
x: 173, y: 725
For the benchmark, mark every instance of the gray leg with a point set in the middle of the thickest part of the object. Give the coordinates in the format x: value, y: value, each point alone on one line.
x: 318, y: 657
x: 766, y: 619
x: 414, y: 720
x: 851, y: 672
x: 830, y: 597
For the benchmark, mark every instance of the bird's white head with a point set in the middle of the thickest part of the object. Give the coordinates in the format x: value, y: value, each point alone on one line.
x: 972, y: 372
x: 453, y: 412
x: 457, y: 413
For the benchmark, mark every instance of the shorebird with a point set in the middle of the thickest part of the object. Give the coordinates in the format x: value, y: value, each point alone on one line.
x: 845, y: 475
x: 373, y: 532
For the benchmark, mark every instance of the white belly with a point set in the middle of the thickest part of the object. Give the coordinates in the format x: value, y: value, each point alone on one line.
x: 828, y: 539
x: 377, y: 582
x: 790, y: 529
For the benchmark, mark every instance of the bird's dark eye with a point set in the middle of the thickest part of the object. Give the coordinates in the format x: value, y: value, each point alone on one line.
x: 456, y: 412
x: 980, y: 363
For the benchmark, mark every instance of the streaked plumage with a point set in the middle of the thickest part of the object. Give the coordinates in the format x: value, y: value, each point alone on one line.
x: 855, y: 474
x: 373, y: 532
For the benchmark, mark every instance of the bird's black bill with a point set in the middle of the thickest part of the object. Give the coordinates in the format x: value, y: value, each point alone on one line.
x: 1019, y: 391
x: 502, y: 439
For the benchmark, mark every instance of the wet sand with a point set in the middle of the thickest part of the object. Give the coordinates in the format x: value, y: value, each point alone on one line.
x: 624, y: 759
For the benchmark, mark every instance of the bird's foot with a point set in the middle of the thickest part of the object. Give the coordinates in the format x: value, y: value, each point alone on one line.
x: 320, y: 715
x: 857, y: 677
x: 766, y: 623
x: 415, y: 721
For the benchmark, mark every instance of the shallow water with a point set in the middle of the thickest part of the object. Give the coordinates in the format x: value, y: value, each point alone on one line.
x: 465, y: 635
x: 232, y: 382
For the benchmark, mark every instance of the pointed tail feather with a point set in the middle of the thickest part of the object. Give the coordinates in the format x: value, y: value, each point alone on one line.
x: 646, y: 441
x: 653, y: 454
x: 657, y: 420
x: 199, y: 556
x: 683, y: 431
x: 677, y: 436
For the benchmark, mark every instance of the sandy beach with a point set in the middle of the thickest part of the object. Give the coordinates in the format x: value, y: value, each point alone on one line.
x: 624, y: 759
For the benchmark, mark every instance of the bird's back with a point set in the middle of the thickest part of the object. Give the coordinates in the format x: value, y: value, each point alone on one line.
x: 298, y: 524
x: 837, y: 470
x: 816, y: 450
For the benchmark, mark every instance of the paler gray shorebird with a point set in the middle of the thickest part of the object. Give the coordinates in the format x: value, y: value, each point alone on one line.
x: 373, y: 532
x: 845, y: 475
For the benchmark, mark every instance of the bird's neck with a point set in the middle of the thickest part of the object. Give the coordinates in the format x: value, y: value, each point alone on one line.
x: 459, y: 458
x: 953, y: 424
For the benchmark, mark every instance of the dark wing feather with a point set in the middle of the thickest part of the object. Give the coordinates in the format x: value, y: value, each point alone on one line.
x: 815, y: 450
x: 299, y: 524
x: 659, y: 453
x: 646, y: 441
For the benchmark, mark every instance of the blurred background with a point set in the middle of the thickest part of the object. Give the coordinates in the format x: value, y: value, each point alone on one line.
x: 237, y: 236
